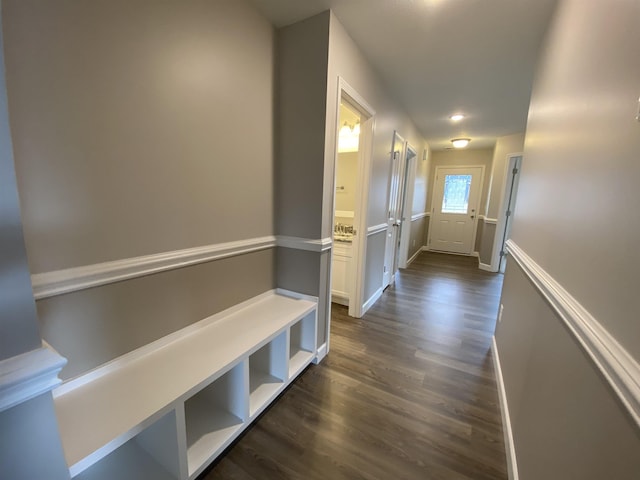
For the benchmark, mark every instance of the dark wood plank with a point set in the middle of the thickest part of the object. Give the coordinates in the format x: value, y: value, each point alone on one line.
x: 408, y: 391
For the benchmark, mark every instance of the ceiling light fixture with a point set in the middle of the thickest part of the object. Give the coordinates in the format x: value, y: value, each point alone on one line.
x: 456, y: 117
x: 460, y: 142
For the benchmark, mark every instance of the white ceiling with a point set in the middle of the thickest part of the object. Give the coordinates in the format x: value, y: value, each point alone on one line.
x: 438, y: 57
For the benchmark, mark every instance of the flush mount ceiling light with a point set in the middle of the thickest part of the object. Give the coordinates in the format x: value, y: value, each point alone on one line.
x: 460, y: 142
x: 456, y: 117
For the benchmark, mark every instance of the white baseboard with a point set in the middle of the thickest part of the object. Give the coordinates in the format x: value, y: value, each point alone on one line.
x: 486, y: 267
x: 512, y: 465
x: 322, y: 352
x: 415, y: 255
x: 374, y: 298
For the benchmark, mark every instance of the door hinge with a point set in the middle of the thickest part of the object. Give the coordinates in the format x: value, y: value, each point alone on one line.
x: 515, y: 170
x: 502, y: 253
x: 508, y: 213
x: 384, y: 269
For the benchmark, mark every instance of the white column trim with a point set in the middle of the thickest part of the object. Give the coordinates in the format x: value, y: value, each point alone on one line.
x: 309, y: 244
x: 418, y: 216
x: 58, y: 282
x: 376, y: 229
x: 28, y: 375
x: 616, y: 364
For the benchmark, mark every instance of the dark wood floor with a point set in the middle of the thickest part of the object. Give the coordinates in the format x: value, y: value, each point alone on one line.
x: 408, y: 391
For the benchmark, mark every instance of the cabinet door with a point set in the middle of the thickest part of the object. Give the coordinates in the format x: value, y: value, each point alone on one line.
x: 339, y: 278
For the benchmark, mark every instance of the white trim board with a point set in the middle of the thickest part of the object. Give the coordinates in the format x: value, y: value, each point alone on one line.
x: 616, y: 364
x: 512, y: 464
x: 374, y: 298
x: 486, y: 267
x: 418, y: 216
x: 28, y: 375
x: 299, y: 243
x: 376, y: 229
x: 69, y: 280
x: 415, y: 255
x: 321, y: 353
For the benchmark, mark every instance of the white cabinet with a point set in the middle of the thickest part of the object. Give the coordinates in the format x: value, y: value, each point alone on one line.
x: 341, y: 272
x: 168, y: 409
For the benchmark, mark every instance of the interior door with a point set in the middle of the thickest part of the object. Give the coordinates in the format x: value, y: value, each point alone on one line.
x: 394, y: 217
x: 455, y: 209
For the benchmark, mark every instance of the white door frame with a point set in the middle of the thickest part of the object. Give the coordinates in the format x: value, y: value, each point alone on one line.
x: 405, y: 226
x: 365, y: 150
x: 434, y: 202
x: 513, y: 160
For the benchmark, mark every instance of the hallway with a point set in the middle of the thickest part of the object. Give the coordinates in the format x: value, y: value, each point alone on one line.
x: 408, y: 391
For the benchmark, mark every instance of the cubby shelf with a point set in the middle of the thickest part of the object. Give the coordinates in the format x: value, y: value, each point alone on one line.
x: 302, y: 340
x: 267, y: 373
x: 150, y: 455
x: 212, y: 378
x: 214, y: 416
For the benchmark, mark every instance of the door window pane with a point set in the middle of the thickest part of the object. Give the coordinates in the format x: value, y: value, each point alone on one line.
x: 456, y: 194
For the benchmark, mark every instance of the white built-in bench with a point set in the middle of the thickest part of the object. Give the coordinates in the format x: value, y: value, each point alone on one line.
x: 166, y: 410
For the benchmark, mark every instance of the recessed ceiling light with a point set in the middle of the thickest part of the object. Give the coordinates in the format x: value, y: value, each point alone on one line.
x: 460, y: 142
x: 456, y: 117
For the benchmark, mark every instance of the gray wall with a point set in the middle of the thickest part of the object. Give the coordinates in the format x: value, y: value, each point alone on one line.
x: 418, y: 233
x: 581, y: 163
x: 303, y: 50
x: 18, y: 322
x: 484, y: 241
x: 567, y: 422
x: 141, y: 128
x: 29, y: 443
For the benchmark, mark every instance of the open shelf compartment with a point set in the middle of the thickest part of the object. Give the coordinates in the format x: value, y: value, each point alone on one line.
x: 151, y: 455
x: 302, y: 341
x: 214, y: 416
x: 267, y: 372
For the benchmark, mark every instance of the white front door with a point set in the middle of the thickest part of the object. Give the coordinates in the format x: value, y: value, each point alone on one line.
x: 455, y: 209
x: 394, y: 217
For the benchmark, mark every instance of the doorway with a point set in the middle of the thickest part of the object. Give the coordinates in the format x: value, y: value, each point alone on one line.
x: 354, y: 139
x: 514, y: 165
x: 454, y: 217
